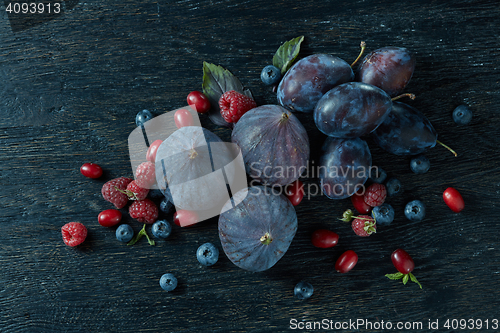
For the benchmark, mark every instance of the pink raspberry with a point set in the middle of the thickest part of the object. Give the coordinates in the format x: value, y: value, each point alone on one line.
x: 145, y: 175
x: 135, y: 192
x: 113, y: 191
x: 233, y: 105
x: 364, y: 225
x: 375, y: 195
x: 73, y: 233
x: 144, y: 211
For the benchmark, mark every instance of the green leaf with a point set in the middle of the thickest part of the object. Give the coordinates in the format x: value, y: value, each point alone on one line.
x: 347, y: 216
x: 286, y: 54
x: 216, y: 81
x: 405, y: 278
x: 395, y: 276
x: 370, y: 227
x: 414, y: 279
x: 139, y: 236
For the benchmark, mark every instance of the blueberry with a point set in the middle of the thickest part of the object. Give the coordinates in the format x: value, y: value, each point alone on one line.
x: 303, y: 290
x: 161, y: 229
x: 270, y: 75
x: 166, y: 205
x: 142, y: 117
x: 168, y: 282
x: 378, y: 175
x: 383, y: 214
x: 420, y: 164
x: 415, y: 210
x: 207, y: 254
x: 462, y: 115
x: 155, y: 194
x: 124, y: 233
x: 393, y: 187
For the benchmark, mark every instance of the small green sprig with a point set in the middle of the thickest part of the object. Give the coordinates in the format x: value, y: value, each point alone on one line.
x: 405, y: 277
x: 139, y: 236
x: 348, y: 215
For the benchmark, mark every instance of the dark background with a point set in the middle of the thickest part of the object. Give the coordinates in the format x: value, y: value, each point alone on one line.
x: 71, y: 85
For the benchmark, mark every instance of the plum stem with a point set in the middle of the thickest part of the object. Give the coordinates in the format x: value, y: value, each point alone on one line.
x: 363, y: 47
x: 442, y: 144
x: 410, y: 95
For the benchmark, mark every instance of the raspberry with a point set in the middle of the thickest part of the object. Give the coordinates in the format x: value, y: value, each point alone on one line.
x: 375, y: 195
x: 364, y: 226
x: 145, y: 175
x: 233, y: 105
x: 73, y: 233
x: 135, y: 192
x: 144, y: 211
x: 112, y: 191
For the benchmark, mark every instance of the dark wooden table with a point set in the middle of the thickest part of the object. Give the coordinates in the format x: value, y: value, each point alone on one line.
x: 71, y: 84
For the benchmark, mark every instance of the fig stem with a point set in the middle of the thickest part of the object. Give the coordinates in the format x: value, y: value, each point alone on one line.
x: 410, y: 95
x: 363, y: 47
x: 192, y: 153
x: 442, y: 144
x: 284, y: 117
x: 266, y: 239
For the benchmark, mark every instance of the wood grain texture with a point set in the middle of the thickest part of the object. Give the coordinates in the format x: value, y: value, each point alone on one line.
x: 69, y: 92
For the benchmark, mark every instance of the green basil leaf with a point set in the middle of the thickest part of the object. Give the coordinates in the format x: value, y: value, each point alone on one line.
x: 395, y: 276
x: 286, y: 54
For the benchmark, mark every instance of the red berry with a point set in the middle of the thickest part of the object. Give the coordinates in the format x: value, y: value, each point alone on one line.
x: 233, y: 105
x: 346, y: 261
x: 183, y: 118
x: 402, y: 261
x: 145, y: 175
x: 73, y: 233
x: 364, y: 225
x: 109, y: 217
x: 153, y: 148
x: 111, y: 191
x: 184, y: 218
x: 135, y: 192
x: 144, y: 211
x: 198, y: 101
x: 358, y: 201
x: 375, y: 195
x: 91, y: 170
x: 453, y: 199
x: 324, y: 239
x: 295, y: 192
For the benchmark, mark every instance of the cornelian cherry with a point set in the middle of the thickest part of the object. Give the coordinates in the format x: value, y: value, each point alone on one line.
x: 346, y: 261
x: 453, y: 199
x: 183, y: 118
x: 91, y: 170
x: 359, y: 203
x: 324, y: 238
x: 184, y: 218
x: 109, y: 217
x: 153, y: 148
x: 295, y: 192
x: 198, y: 101
x: 402, y: 261
x: 405, y: 265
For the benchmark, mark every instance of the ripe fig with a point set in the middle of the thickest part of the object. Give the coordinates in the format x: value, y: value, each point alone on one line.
x: 256, y: 232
